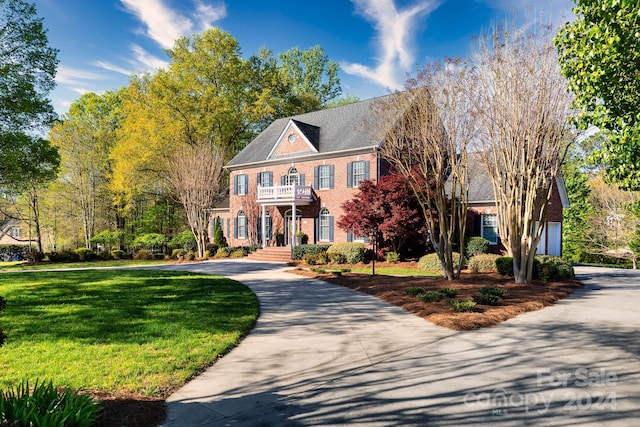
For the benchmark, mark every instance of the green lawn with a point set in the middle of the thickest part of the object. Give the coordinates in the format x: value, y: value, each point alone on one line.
x: 397, y: 271
x: 22, y: 265
x: 119, y: 330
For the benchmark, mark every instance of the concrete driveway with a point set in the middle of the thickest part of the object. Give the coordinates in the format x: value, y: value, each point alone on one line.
x: 325, y: 355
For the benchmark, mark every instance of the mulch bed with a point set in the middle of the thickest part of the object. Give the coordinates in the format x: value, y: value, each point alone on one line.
x: 519, y: 298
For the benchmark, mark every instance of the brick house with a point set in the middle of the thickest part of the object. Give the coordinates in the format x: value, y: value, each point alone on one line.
x: 295, y: 175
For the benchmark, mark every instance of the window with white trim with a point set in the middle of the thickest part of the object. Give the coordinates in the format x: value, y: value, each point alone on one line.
x: 489, y: 229
x: 241, y: 184
x: 324, y: 177
x: 324, y: 232
x: 265, y: 179
x: 359, y: 172
x: 293, y: 177
x: 241, y: 225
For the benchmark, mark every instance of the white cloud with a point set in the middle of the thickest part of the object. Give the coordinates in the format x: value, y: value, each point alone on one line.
x: 209, y: 14
x: 165, y: 25
x: 140, y: 61
x: 75, y: 77
x: 112, y: 67
x: 394, y: 38
x: 143, y: 60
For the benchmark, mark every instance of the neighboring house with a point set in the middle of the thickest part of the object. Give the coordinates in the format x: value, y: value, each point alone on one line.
x: 295, y: 175
x: 14, y: 232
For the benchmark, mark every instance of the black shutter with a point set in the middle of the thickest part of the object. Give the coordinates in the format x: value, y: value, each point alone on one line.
x: 301, y: 179
x: 349, y: 175
x: 316, y: 177
x: 316, y: 227
x: 259, y: 178
x: 269, y: 228
x: 331, y: 177
x: 235, y: 227
x: 270, y: 175
x: 235, y: 184
x: 331, y: 229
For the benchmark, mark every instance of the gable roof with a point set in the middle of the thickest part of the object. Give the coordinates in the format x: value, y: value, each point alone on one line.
x: 332, y: 130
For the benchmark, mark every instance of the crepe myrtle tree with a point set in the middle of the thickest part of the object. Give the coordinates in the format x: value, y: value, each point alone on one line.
x: 521, y: 107
x: 194, y: 172
x: 425, y: 131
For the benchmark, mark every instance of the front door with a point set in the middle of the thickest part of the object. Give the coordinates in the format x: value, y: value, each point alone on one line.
x: 288, y: 226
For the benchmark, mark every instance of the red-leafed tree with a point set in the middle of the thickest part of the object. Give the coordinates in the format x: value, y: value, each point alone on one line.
x: 388, y: 209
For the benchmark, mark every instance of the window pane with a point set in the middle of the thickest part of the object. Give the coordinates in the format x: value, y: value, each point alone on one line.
x: 490, y: 228
x: 324, y: 177
x: 358, y: 172
x: 325, y: 226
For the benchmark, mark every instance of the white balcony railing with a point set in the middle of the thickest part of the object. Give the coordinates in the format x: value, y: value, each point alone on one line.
x: 286, y: 193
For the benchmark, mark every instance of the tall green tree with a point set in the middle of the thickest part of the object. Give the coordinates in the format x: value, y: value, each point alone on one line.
x: 312, y: 78
x: 576, y: 227
x: 600, y: 55
x: 27, y: 71
x: 85, y: 138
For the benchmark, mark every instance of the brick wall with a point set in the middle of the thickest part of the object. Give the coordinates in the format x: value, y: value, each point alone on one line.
x: 330, y: 199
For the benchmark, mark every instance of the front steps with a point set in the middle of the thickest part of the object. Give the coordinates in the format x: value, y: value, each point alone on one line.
x: 272, y: 254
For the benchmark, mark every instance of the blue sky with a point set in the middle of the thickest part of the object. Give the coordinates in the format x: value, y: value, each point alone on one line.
x: 376, y: 42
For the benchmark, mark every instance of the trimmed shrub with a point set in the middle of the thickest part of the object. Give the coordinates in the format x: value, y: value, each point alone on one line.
x: 414, y: 290
x: 392, y: 257
x: 34, y: 256
x: 504, y: 265
x: 430, y: 296
x: 143, y: 255
x: 119, y: 254
x: 477, y: 246
x: 190, y: 256
x: 552, y: 268
x: 178, y: 254
x: 489, y: 295
x: 431, y: 262
x: 63, y: 256
x: 337, y: 258
x: 354, y: 252
x: 315, y: 259
x: 483, y: 263
x: 448, y: 292
x: 85, y: 254
x: 206, y: 254
x: 486, y: 299
x: 462, y: 305
x: 492, y: 290
x: 221, y: 253
x: 238, y: 253
x: 45, y: 405
x: 300, y: 251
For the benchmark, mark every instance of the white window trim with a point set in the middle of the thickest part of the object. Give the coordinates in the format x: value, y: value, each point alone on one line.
x: 355, y: 182
x: 327, y: 177
x: 482, y: 227
x: 324, y: 214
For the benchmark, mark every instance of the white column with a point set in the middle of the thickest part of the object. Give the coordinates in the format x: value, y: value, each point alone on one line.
x: 293, y: 223
x: 263, y: 225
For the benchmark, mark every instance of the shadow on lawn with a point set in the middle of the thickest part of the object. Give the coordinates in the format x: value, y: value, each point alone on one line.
x: 124, y: 306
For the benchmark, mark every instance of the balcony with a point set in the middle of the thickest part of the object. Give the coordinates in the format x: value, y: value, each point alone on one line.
x: 282, y: 194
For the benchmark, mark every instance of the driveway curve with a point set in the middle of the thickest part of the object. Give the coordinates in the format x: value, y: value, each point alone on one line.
x: 325, y: 355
